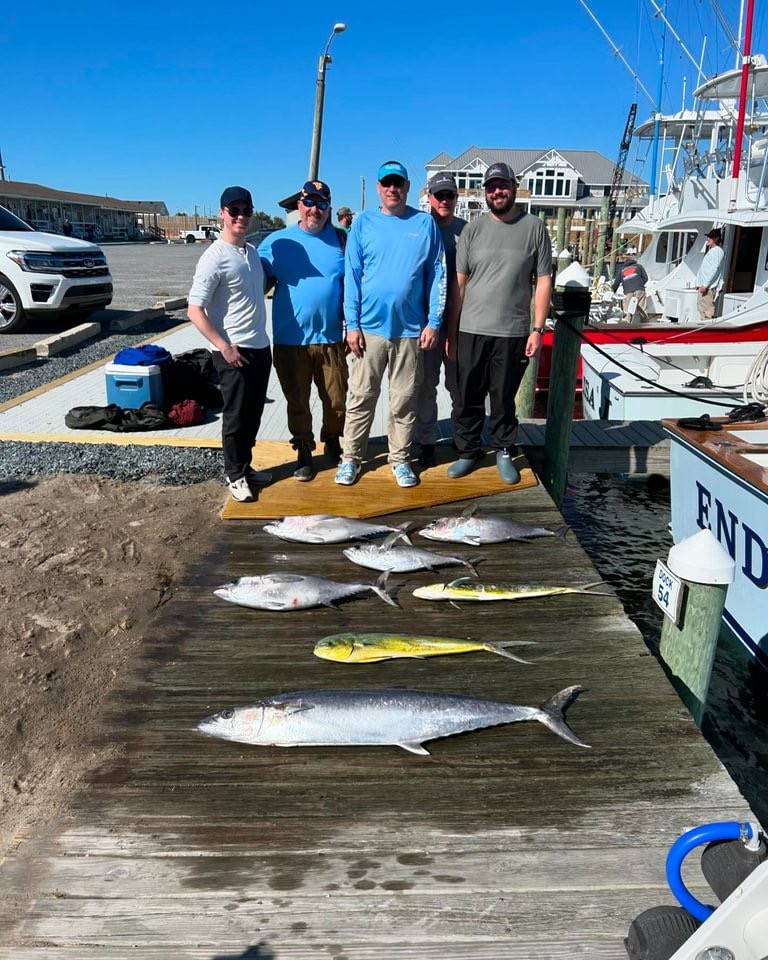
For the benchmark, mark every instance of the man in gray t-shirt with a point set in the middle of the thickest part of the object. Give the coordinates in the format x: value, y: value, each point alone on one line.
x: 503, y: 259
x: 443, y: 194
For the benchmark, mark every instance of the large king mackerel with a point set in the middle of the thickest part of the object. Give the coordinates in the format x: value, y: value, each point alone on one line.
x: 401, y: 718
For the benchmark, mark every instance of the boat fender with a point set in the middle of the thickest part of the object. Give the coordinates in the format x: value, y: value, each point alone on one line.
x: 726, y: 864
x: 704, y: 422
x: 658, y: 933
x: 750, y: 411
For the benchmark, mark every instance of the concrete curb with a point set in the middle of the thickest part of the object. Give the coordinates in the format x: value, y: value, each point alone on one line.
x: 134, y: 319
x: 17, y: 357
x: 59, y: 342
x: 178, y: 303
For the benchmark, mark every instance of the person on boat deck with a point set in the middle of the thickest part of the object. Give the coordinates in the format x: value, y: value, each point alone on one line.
x: 710, y: 275
x: 503, y: 261
x: 632, y: 278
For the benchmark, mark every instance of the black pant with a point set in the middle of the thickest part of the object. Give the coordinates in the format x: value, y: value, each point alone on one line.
x: 243, y: 393
x: 493, y: 367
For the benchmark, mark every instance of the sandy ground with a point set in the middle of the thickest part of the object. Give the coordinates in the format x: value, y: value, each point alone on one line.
x: 86, y: 562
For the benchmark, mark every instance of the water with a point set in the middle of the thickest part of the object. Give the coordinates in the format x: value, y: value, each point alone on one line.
x: 622, y: 524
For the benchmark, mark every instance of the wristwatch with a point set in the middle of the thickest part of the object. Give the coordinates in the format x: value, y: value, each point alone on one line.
x: 539, y: 330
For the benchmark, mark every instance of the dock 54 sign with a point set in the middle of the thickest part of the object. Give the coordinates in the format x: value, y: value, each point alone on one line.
x: 668, y: 591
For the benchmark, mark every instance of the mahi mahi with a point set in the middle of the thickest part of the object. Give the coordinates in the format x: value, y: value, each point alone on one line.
x: 474, y: 530
x: 329, y: 528
x: 373, y: 647
x: 402, y: 559
x: 465, y: 588
x: 293, y: 591
x: 400, y: 718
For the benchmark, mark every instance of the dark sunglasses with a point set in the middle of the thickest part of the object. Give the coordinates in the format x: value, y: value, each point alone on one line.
x: 445, y: 195
x: 393, y: 181
x: 320, y: 204
x: 240, y: 211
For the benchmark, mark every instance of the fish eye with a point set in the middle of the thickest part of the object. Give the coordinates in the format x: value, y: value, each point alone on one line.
x: 227, y: 714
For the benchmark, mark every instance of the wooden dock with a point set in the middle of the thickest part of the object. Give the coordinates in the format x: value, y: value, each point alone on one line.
x: 504, y: 844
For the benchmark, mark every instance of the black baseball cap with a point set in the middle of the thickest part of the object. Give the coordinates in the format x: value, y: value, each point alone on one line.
x: 715, y: 234
x: 316, y: 188
x: 233, y: 194
x: 442, y: 181
x: 499, y: 171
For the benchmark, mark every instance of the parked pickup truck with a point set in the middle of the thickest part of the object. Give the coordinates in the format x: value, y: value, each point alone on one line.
x: 207, y: 231
x: 45, y: 274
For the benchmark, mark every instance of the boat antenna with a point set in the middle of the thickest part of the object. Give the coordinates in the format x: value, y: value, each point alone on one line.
x: 660, y: 12
x: 733, y: 40
x: 618, y: 53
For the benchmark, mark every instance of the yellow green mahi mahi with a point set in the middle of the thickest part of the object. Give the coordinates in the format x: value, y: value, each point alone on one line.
x: 373, y: 647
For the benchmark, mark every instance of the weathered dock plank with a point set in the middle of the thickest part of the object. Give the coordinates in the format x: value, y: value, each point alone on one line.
x: 504, y: 843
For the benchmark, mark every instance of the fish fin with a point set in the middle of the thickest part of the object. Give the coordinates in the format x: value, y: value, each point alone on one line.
x: 283, y: 577
x: 458, y: 582
x: 471, y: 541
x: 413, y: 747
x: 498, y: 649
x: 391, y: 538
x: 454, y: 604
x: 552, y: 714
x: 380, y: 589
x: 311, y: 539
x: 469, y: 511
x: 472, y: 564
x: 563, y: 532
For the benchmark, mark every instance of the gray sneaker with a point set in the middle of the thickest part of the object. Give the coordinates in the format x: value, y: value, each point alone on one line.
x: 507, y: 470
x: 259, y: 478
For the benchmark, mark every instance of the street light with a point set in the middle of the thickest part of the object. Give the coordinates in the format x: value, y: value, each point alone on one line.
x: 317, y: 129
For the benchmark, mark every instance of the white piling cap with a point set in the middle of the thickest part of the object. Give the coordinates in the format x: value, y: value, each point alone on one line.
x: 573, y: 276
x: 565, y: 254
x: 701, y: 559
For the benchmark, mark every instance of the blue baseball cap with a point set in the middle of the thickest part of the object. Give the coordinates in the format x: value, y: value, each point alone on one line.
x: 392, y: 168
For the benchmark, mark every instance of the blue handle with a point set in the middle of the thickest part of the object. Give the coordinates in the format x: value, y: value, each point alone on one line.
x: 727, y: 830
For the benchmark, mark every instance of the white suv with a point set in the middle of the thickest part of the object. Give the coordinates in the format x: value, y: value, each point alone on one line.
x: 45, y: 274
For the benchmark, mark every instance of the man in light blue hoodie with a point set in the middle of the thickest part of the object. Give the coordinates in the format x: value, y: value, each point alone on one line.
x: 394, y: 297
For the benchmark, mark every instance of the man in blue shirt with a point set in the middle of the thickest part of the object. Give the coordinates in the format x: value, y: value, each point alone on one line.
x: 306, y: 263
x: 394, y: 297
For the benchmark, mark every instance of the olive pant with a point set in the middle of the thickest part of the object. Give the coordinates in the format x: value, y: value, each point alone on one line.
x: 325, y: 365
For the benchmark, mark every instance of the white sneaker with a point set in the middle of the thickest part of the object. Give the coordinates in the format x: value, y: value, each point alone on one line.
x: 240, y: 491
x: 404, y: 475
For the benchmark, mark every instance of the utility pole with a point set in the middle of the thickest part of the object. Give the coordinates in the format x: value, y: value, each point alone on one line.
x: 362, y: 193
x: 317, y: 126
x: 2, y: 168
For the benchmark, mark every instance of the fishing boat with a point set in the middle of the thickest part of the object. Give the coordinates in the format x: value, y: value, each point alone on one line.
x: 719, y: 482
x: 717, y: 177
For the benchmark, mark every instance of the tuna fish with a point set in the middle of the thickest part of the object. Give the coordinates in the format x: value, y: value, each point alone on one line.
x: 328, y: 528
x: 293, y: 591
x: 399, y: 559
x: 473, y: 530
x: 465, y: 589
x: 372, y: 647
x: 400, y: 718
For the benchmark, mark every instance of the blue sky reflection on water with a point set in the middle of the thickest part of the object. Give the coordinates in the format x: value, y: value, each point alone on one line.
x: 622, y: 524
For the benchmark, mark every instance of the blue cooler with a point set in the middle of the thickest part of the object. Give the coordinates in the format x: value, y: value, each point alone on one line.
x: 129, y: 386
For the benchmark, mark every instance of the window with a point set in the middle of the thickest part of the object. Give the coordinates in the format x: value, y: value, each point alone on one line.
x: 550, y: 183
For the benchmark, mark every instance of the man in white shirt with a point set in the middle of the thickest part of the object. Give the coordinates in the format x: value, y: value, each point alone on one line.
x: 226, y: 304
x: 710, y: 276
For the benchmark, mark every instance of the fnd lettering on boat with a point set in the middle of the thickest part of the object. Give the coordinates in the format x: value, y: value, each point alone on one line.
x: 712, y: 514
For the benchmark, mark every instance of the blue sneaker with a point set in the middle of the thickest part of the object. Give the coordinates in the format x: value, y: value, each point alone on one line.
x: 404, y: 475
x: 347, y: 473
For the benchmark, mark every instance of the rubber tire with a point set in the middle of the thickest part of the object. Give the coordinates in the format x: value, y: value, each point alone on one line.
x: 190, y: 239
x: 20, y: 319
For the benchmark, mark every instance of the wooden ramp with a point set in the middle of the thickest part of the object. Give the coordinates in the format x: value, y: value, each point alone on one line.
x: 504, y: 844
x: 374, y: 493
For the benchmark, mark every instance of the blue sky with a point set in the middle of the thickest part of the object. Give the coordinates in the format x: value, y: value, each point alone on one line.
x: 173, y: 101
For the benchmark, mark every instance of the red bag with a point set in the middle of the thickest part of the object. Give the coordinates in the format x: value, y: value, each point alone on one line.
x: 187, y: 413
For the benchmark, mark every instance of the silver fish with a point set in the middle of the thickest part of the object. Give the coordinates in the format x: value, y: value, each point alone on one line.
x: 400, y: 718
x: 293, y: 591
x: 385, y: 556
x: 475, y: 531
x: 329, y: 528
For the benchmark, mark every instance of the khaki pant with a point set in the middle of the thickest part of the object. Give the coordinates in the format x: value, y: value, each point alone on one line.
x: 639, y: 313
x: 297, y: 368
x: 706, y: 304
x: 403, y: 359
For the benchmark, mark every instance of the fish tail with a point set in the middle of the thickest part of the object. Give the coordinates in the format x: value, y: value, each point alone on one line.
x: 380, y: 588
x: 590, y: 588
x: 472, y: 564
x: 563, y: 532
x: 499, y: 649
x: 552, y: 714
x: 404, y: 528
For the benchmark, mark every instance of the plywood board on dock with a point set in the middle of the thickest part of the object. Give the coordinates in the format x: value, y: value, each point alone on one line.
x: 375, y: 493
x: 504, y: 844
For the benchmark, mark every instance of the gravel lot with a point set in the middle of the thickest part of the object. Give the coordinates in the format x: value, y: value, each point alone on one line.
x: 142, y: 274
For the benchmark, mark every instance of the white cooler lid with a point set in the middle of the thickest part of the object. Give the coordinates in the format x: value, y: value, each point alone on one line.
x: 127, y: 368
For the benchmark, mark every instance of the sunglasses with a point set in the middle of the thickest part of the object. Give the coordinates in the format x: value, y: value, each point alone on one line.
x: 503, y: 186
x: 240, y: 211
x: 445, y: 195
x: 392, y: 182
x: 320, y: 204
